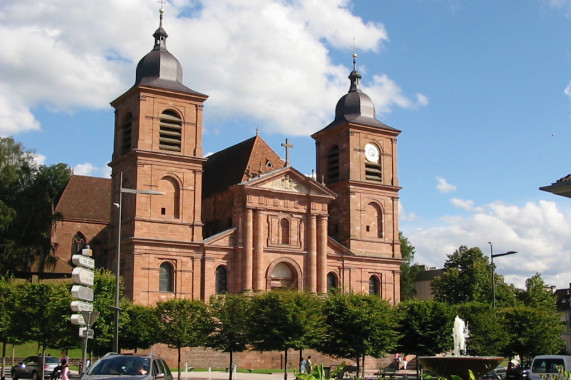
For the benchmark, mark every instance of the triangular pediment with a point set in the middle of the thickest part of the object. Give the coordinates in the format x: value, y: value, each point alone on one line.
x: 223, y: 239
x: 289, y: 180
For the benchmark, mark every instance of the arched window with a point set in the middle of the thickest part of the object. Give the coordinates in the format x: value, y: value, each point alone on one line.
x: 373, y: 221
x: 77, y: 243
x: 331, y: 282
x: 221, y: 280
x: 170, y: 200
x: 170, y: 131
x: 166, y: 277
x: 284, y: 231
x: 283, y: 277
x: 126, y: 133
x: 333, y: 165
x: 374, y: 285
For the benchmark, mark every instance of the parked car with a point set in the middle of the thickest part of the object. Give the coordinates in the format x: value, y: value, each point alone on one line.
x: 31, y: 367
x: 113, y: 366
x: 519, y: 372
x: 501, y: 372
x: 491, y: 376
x: 548, y: 364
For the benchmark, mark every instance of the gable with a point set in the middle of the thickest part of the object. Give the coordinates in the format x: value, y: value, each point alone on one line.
x: 289, y: 180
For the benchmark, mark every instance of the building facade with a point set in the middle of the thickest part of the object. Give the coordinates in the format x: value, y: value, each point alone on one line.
x: 242, y: 220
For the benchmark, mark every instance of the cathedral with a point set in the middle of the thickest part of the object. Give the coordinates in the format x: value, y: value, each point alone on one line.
x: 242, y: 220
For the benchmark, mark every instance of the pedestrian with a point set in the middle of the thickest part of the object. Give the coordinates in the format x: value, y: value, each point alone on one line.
x: 302, y: 366
x: 62, y: 366
x: 404, y: 362
x: 309, y: 364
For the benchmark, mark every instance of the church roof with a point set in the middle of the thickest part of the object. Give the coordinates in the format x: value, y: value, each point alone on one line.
x: 159, y: 68
x: 560, y: 187
x: 250, y: 158
x: 356, y: 106
x: 86, y: 198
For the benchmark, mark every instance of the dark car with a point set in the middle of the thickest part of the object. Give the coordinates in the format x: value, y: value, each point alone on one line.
x: 31, y: 367
x: 114, y: 366
x: 491, y: 376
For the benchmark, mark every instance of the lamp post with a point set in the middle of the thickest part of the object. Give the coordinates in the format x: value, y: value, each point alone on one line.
x: 492, y: 255
x: 119, y: 205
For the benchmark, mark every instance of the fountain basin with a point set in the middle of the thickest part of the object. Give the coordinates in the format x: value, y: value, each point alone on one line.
x: 446, y: 366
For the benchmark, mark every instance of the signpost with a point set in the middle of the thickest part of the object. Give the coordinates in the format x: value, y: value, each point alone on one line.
x: 82, y: 293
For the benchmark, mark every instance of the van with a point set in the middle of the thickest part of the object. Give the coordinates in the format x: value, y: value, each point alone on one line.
x: 547, y: 364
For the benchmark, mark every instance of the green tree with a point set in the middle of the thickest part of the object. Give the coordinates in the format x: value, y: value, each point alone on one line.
x: 425, y: 327
x: 486, y: 336
x: 467, y: 277
x: 139, y: 332
x: 408, y: 271
x: 8, y: 317
x: 28, y: 194
x: 282, y: 320
x: 104, y: 296
x: 229, y: 332
x: 182, y: 323
x: 357, y: 325
x: 536, y: 294
x: 530, y: 331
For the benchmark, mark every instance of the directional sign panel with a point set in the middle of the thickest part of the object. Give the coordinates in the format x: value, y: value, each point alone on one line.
x: 83, y: 261
x: 84, y: 332
x: 79, y: 306
x: 82, y: 293
x: 77, y: 319
x: 82, y: 276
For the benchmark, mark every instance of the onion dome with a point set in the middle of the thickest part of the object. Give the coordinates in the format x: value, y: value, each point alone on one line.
x: 356, y: 106
x: 159, y: 68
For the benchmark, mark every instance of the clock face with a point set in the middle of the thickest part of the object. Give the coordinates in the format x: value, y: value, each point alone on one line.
x: 371, y: 153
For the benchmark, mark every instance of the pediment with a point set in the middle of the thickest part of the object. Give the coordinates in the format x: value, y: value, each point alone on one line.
x: 222, y: 239
x: 290, y: 180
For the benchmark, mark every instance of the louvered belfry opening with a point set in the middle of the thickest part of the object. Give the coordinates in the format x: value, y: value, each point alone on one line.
x: 373, y: 172
x: 333, y: 165
x: 170, y: 132
x: 127, y: 133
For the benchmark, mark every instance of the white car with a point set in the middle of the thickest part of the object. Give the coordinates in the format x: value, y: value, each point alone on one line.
x: 547, y: 364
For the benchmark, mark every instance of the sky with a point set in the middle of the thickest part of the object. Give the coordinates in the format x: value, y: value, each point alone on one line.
x: 480, y: 90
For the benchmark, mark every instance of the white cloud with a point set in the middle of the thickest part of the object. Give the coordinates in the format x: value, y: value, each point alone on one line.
x: 443, y: 186
x: 466, y: 204
x: 265, y: 60
x: 405, y: 216
x: 539, y: 232
x: 91, y: 170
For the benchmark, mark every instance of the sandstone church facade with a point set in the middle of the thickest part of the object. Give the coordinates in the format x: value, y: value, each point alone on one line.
x: 241, y: 220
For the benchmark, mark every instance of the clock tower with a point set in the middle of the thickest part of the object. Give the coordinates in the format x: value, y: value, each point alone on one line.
x: 357, y: 159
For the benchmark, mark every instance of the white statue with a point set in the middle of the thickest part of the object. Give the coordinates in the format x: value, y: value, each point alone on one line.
x: 460, y: 333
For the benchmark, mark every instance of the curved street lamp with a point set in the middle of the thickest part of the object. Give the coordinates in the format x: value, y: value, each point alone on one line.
x: 119, y: 205
x: 492, y: 255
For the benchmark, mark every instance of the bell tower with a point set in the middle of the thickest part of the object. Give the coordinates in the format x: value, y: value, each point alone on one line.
x: 157, y: 146
x: 356, y: 157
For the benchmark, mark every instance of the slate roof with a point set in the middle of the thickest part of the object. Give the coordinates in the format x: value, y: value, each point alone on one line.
x: 238, y: 163
x: 560, y: 187
x: 86, y: 198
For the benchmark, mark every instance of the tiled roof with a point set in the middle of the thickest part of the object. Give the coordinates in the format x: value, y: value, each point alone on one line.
x: 86, y: 198
x: 237, y: 163
x: 567, y: 178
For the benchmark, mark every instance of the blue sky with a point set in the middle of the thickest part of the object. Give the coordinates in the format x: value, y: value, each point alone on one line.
x: 481, y: 91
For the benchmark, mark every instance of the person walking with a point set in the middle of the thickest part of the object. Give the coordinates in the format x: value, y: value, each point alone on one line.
x: 309, y: 364
x: 302, y: 366
x: 404, y: 362
x: 62, y: 366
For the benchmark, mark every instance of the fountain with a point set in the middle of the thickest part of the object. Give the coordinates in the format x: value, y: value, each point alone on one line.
x: 460, y: 363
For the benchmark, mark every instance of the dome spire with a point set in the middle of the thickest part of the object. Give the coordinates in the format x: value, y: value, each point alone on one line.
x: 160, y: 34
x: 355, y: 77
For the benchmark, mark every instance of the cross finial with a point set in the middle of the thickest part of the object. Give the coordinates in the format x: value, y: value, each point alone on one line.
x: 287, y: 147
x: 162, y: 3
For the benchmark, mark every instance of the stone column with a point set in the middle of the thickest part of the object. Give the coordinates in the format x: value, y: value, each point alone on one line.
x: 247, y: 263
x: 322, y: 254
x: 258, y: 270
x: 311, y: 266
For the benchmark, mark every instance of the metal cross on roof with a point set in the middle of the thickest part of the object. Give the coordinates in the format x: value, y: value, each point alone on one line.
x: 287, y: 147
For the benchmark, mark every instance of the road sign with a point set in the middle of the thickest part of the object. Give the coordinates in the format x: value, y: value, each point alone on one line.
x: 82, y: 276
x: 90, y: 316
x: 84, y: 332
x: 83, y: 261
x: 82, y: 293
x: 77, y: 319
x: 79, y: 306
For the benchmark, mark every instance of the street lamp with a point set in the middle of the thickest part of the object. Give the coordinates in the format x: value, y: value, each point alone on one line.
x: 119, y: 205
x: 493, y: 279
